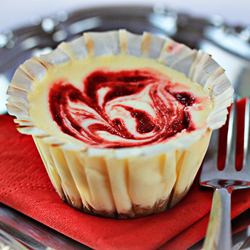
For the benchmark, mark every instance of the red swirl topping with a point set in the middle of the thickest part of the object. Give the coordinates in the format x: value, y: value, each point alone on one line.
x: 121, y: 109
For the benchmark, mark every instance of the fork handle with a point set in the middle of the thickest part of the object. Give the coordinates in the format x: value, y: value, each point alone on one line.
x: 218, y: 235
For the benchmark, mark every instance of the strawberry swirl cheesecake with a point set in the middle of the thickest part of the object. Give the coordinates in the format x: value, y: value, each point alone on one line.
x: 122, y: 121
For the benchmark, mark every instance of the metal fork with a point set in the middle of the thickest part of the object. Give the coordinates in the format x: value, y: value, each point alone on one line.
x: 224, y: 181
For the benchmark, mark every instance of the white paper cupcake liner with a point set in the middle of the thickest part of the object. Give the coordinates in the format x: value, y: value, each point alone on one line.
x: 88, y: 177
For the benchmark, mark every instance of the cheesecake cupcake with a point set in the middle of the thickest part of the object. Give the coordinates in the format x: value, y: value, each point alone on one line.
x: 122, y: 121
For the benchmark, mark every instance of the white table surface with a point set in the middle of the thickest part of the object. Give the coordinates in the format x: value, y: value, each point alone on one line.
x: 16, y: 13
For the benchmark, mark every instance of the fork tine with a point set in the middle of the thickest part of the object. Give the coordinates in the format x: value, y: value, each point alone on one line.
x: 246, y: 162
x: 231, y: 139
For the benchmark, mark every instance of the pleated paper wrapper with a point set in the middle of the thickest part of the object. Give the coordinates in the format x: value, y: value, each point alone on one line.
x: 125, y: 182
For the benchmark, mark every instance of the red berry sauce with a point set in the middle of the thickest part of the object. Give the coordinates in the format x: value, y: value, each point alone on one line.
x: 171, y: 117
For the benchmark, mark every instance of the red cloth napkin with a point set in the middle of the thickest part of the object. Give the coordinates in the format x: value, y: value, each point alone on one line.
x: 25, y: 186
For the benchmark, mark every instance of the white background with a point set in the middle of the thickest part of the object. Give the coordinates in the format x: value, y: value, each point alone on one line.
x: 16, y: 13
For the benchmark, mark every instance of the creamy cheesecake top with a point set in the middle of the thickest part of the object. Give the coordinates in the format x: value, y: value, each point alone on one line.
x: 118, y: 101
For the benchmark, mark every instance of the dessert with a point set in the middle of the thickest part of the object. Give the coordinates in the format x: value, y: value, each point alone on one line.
x: 121, y: 121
